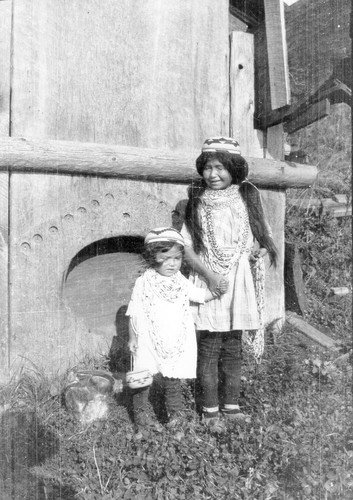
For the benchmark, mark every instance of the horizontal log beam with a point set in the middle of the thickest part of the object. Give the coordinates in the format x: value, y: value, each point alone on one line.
x: 77, y: 158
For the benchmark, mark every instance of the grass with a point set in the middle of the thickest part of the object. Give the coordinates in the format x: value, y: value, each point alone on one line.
x: 298, y: 444
x: 299, y: 441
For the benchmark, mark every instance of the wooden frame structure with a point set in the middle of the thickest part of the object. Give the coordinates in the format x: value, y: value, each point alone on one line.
x: 100, y: 128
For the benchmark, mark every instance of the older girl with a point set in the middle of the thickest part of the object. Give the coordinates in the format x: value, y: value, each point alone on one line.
x: 225, y: 231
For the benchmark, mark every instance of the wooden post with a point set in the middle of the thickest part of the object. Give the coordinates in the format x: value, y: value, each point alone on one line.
x: 242, y: 95
x: 277, y: 53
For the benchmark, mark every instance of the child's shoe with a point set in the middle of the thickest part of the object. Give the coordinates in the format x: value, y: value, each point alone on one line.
x: 178, y: 420
x: 144, y: 421
x: 235, y: 415
x: 214, y: 422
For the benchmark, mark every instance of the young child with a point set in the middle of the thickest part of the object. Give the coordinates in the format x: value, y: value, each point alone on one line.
x: 225, y: 234
x: 161, y: 330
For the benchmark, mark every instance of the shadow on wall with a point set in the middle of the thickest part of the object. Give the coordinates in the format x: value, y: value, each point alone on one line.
x: 178, y: 214
x: 119, y: 354
x: 129, y: 244
x: 99, y: 280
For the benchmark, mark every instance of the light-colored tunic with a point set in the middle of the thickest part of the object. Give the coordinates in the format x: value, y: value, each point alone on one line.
x: 173, y: 330
x: 237, y: 308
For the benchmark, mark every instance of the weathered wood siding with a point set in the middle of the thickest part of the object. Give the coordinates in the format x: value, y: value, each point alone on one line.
x: 149, y: 73
x: 144, y: 74
x: 5, y: 39
x: 61, y: 219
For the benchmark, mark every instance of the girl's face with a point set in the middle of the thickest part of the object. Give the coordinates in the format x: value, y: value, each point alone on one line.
x: 216, y: 175
x: 169, y: 262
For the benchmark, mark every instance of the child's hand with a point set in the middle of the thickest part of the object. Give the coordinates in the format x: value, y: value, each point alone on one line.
x: 256, y: 255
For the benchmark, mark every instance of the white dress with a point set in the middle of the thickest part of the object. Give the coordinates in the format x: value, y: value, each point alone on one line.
x: 162, y: 320
x: 228, y: 240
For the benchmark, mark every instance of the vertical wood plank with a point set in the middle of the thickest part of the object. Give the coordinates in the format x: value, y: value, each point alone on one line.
x: 242, y: 91
x: 5, y: 47
x: 5, y: 41
x: 275, y: 142
x: 276, y: 208
x: 277, y: 53
x: 275, y: 205
x: 262, y: 78
x: 4, y: 290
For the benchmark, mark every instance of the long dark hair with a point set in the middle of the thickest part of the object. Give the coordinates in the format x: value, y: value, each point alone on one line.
x: 238, y: 168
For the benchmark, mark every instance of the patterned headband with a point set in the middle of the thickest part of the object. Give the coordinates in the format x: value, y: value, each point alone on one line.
x: 226, y: 144
x: 164, y: 234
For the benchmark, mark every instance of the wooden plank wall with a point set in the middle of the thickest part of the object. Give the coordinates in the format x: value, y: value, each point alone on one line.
x: 151, y: 73
x: 5, y: 37
x: 62, y: 218
x: 146, y: 74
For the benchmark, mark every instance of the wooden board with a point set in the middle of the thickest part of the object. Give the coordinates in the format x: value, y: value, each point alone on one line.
x: 277, y: 53
x: 242, y: 92
x: 262, y: 78
x: 309, y: 331
x: 150, y: 74
x: 275, y: 143
x: 5, y: 41
x: 4, y: 338
x: 274, y: 201
x: 5, y: 47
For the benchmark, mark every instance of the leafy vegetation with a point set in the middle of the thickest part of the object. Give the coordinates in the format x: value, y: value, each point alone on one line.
x: 298, y: 443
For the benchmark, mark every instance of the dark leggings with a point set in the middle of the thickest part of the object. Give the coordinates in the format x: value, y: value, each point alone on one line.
x: 219, y: 349
x: 173, y: 396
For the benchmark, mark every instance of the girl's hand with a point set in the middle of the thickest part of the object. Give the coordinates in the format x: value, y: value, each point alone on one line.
x: 223, y: 286
x: 256, y: 255
x: 217, y: 284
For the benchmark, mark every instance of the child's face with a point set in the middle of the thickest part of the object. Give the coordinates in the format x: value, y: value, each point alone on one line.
x: 216, y: 175
x: 169, y: 262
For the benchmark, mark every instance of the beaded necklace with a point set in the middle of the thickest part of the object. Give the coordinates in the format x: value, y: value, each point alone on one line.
x: 221, y: 261
x: 171, y: 289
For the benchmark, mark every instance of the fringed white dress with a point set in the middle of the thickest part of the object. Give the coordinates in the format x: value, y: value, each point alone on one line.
x: 228, y: 241
x: 161, y: 317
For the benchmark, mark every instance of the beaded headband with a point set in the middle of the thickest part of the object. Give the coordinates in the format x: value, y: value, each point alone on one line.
x: 164, y: 234
x: 226, y: 144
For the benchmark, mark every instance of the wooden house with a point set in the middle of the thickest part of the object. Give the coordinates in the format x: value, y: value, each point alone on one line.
x: 103, y: 109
